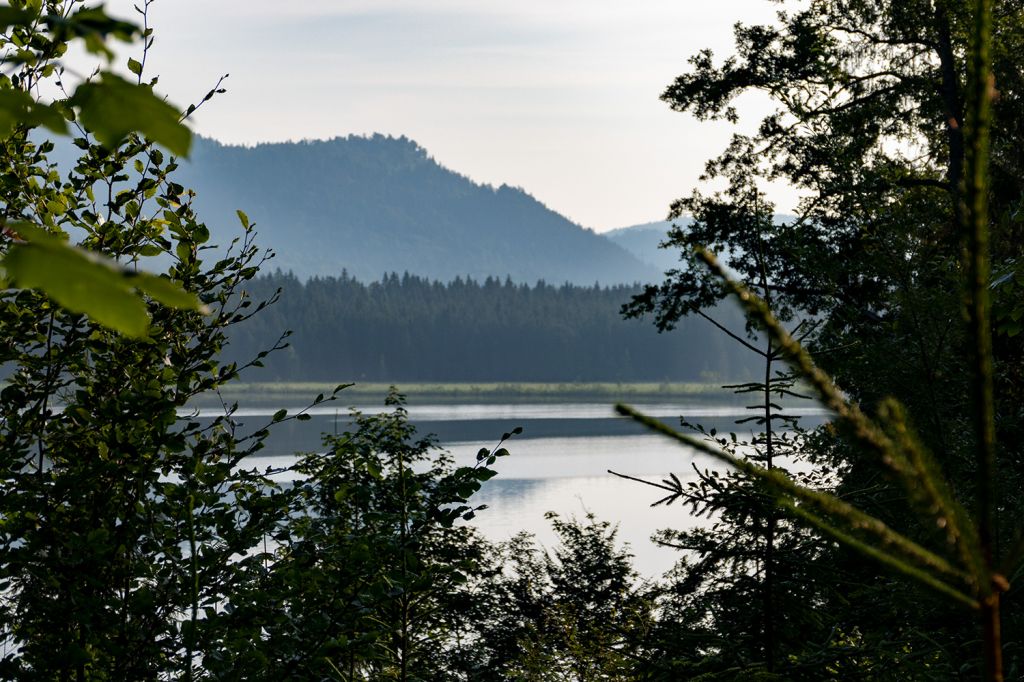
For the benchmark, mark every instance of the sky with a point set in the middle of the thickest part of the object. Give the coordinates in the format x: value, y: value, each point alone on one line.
x: 559, y: 97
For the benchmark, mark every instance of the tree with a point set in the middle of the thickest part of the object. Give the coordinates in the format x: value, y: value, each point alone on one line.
x: 871, y: 123
x: 370, y: 577
x: 575, y: 612
x: 746, y: 554
x: 34, y: 41
x: 123, y: 529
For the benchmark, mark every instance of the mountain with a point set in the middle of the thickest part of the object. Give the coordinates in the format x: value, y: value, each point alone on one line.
x: 642, y: 241
x: 373, y: 205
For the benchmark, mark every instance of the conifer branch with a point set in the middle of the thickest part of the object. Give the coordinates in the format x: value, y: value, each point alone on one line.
x: 878, y: 555
x: 916, y: 471
x: 784, y: 487
x: 929, y: 486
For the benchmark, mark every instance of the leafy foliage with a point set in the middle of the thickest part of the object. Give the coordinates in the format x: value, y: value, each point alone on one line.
x: 369, y: 580
x: 123, y: 527
x: 110, y: 108
x: 113, y: 107
x: 575, y: 612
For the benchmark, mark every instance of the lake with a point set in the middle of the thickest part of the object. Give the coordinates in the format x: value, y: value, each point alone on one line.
x: 559, y: 463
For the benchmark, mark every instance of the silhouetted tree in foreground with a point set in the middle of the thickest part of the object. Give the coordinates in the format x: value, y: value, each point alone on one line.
x: 959, y: 558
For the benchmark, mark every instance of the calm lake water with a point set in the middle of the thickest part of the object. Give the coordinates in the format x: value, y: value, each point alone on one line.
x: 559, y: 463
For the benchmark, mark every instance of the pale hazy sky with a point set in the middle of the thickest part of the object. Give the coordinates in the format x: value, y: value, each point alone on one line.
x: 559, y: 97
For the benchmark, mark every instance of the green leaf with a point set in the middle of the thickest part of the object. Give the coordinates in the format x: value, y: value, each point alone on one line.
x: 15, y: 17
x: 135, y: 66
x: 18, y: 107
x: 114, y: 107
x: 93, y: 26
x: 165, y: 291
x: 243, y: 217
x: 77, y: 280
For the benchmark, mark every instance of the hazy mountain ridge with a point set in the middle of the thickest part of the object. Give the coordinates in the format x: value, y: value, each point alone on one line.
x: 643, y: 242
x: 372, y: 205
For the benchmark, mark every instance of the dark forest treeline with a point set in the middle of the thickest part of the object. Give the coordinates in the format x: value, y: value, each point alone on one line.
x: 407, y: 328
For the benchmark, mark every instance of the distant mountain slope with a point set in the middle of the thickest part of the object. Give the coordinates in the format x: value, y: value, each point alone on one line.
x: 642, y: 241
x: 372, y: 205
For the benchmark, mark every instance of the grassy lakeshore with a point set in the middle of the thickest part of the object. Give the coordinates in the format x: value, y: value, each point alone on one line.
x: 298, y: 393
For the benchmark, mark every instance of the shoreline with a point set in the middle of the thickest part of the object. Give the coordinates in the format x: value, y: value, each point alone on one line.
x: 274, y: 393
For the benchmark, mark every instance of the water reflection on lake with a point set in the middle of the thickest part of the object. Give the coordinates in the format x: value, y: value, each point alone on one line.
x: 560, y: 462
